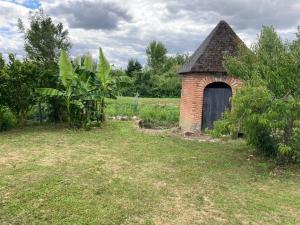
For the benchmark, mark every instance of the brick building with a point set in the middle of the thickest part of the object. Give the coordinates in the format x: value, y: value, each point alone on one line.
x: 206, y: 87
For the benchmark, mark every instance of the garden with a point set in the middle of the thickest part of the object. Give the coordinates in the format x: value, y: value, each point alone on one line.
x: 71, y: 151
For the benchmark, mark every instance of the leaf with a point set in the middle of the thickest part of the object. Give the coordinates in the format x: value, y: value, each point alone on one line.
x: 65, y: 69
x: 88, y: 62
x: 77, y: 103
x: 125, y: 80
x: 103, y: 68
x: 50, y: 92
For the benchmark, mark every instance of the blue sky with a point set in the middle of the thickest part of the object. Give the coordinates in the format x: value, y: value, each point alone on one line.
x: 124, y: 27
x: 31, y: 4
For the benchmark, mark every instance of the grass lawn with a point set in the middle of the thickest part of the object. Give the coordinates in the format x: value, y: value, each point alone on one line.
x: 118, y: 175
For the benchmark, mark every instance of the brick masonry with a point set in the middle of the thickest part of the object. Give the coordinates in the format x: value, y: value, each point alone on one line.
x: 192, y: 94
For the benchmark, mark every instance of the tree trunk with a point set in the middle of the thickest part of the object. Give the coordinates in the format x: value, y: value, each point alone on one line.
x: 68, y: 103
x: 21, y: 119
x: 102, y: 113
x: 40, y: 113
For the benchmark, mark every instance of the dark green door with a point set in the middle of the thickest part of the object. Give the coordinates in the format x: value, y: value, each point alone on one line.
x: 216, y: 101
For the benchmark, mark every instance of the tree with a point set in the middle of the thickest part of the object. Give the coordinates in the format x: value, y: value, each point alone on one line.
x: 156, y: 56
x: 43, y: 42
x: 124, y: 83
x: 271, y: 60
x: 133, y: 66
x: 2, y: 62
x: 17, y: 83
x: 267, y: 107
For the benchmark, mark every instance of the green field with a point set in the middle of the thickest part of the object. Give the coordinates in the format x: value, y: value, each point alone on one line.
x: 156, y: 112
x: 148, y: 101
x: 119, y: 175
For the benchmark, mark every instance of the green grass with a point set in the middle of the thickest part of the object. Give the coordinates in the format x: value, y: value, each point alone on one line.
x: 156, y: 112
x: 118, y: 175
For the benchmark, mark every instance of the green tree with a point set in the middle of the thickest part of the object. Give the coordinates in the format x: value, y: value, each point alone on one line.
x: 125, y: 84
x: 133, y: 66
x: 2, y: 62
x: 156, y: 56
x: 43, y: 42
x: 17, y: 83
x: 267, y: 107
x: 270, y: 60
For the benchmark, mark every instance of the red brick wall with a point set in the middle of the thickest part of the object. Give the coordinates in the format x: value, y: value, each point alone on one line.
x: 191, y: 102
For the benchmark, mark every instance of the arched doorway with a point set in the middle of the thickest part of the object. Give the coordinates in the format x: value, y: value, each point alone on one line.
x: 215, y: 102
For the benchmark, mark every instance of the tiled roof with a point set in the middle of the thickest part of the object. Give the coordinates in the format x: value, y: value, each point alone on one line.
x: 209, y: 56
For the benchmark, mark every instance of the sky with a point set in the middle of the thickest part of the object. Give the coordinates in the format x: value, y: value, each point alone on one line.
x: 124, y: 28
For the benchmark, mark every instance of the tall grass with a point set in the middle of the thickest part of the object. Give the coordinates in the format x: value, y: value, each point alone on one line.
x: 155, y: 112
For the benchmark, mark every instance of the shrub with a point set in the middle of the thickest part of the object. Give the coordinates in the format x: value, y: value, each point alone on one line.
x: 270, y: 125
x: 7, y: 119
x: 296, y: 141
x: 159, y: 116
x: 267, y: 108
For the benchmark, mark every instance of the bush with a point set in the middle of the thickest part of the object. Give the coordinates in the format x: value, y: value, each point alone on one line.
x: 267, y: 108
x: 159, y: 116
x: 296, y: 141
x: 270, y: 125
x: 7, y: 119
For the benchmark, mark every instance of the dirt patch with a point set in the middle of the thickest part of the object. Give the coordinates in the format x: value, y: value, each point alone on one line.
x: 177, y: 132
x: 12, y: 158
x: 178, y: 209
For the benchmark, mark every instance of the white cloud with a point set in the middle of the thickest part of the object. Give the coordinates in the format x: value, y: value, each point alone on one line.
x: 10, y: 12
x: 11, y: 41
x: 180, y: 24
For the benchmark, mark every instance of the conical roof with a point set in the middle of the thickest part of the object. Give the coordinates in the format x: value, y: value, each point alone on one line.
x: 209, y: 56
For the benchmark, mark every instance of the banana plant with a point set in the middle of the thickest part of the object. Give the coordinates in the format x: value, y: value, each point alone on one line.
x: 88, y: 62
x: 83, y: 87
x: 69, y: 81
x: 106, y: 82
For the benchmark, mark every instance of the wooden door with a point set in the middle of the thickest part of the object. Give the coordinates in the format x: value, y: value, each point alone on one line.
x: 216, y: 101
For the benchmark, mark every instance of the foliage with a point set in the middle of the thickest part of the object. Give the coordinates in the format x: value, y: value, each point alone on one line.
x: 17, y: 83
x: 157, y: 56
x: 68, y: 79
x: 83, y: 90
x: 124, y: 83
x: 159, y: 116
x: 44, y: 39
x: 88, y: 63
x: 159, y: 79
x: 168, y: 84
x: 107, y: 83
x: 133, y: 66
x: 43, y: 42
x: 267, y: 108
x: 7, y: 119
x: 271, y: 60
x: 162, y: 112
